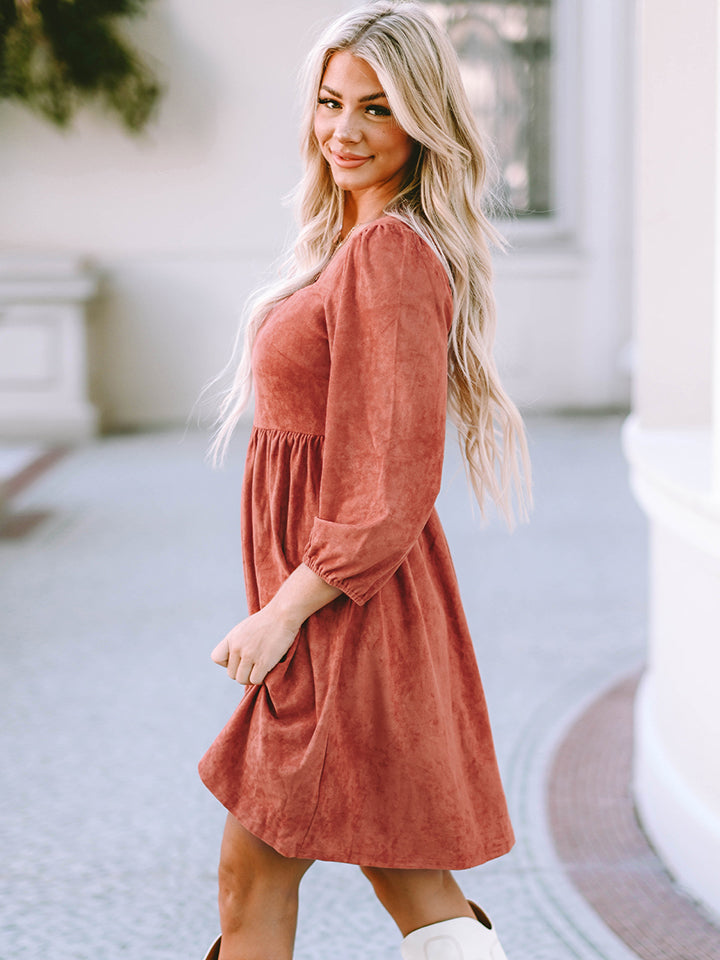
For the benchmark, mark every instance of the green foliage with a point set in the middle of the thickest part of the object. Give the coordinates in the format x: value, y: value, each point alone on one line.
x: 57, y: 54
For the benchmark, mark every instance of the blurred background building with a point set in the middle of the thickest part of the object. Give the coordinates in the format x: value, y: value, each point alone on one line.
x: 125, y: 261
x: 182, y: 220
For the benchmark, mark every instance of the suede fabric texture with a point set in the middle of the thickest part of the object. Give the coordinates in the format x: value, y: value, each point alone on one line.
x: 369, y: 742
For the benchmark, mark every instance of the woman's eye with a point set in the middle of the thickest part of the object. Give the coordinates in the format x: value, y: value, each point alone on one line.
x: 328, y: 102
x: 377, y: 111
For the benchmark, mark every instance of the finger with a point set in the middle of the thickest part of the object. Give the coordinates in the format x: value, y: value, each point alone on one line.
x: 220, y: 653
x: 244, y: 671
x: 233, y: 664
x: 257, y: 674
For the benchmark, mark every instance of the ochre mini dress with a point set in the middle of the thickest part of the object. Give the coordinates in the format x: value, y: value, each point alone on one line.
x: 369, y: 743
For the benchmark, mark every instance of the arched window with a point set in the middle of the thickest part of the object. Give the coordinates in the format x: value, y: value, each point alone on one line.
x: 507, y: 57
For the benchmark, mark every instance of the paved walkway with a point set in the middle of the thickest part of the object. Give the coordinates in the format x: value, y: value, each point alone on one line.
x: 110, y: 607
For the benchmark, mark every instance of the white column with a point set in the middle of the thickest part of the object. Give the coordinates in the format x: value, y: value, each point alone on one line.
x: 673, y: 438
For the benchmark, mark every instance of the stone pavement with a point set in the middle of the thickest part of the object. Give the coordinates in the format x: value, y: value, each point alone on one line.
x: 110, y: 607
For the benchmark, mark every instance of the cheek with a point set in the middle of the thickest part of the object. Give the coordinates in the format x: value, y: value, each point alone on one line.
x: 402, y: 147
x: 396, y: 141
x: 320, y: 129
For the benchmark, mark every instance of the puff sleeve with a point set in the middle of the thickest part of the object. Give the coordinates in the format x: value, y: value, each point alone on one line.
x: 388, y: 317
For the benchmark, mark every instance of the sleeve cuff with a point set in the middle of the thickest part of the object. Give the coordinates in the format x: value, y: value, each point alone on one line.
x: 347, y: 587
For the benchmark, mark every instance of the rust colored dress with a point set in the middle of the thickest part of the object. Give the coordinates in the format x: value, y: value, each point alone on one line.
x: 370, y: 742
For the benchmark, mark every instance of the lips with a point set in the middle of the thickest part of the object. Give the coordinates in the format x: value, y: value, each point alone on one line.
x: 348, y: 160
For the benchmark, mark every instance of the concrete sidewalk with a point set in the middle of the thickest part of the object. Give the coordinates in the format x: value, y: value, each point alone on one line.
x: 110, y: 608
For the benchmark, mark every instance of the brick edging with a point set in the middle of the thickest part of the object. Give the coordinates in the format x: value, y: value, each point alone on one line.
x: 601, y: 844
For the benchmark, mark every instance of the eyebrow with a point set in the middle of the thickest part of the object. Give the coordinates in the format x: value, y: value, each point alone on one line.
x: 370, y: 96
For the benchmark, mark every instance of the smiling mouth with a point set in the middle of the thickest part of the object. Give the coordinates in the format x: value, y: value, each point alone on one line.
x: 348, y: 159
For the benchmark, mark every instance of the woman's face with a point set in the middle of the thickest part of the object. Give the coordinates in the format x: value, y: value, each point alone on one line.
x: 360, y: 139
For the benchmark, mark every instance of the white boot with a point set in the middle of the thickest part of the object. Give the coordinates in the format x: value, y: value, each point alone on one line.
x: 214, y: 951
x: 459, y: 939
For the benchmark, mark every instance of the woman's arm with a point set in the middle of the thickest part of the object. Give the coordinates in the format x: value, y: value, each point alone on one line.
x: 258, y: 643
x: 387, y: 316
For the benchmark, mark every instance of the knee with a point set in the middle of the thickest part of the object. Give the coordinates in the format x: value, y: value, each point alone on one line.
x: 251, y: 876
x: 240, y: 879
x: 246, y: 893
x: 235, y: 879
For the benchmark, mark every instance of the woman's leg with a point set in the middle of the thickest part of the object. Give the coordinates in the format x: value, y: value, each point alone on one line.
x: 258, y: 897
x: 417, y: 898
x: 434, y: 917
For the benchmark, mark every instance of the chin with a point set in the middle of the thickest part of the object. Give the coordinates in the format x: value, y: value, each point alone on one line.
x: 345, y: 182
x: 348, y: 183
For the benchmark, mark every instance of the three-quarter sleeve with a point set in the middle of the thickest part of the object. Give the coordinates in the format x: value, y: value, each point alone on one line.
x: 388, y: 317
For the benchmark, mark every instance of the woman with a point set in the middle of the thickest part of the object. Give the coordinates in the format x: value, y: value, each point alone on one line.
x: 363, y: 734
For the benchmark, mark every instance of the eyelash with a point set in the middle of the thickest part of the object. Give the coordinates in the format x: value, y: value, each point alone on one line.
x: 381, y: 111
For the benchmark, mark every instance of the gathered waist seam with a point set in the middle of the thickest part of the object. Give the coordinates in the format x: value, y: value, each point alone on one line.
x: 288, y: 433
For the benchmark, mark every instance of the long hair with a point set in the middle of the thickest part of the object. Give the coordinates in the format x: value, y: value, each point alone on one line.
x: 442, y: 199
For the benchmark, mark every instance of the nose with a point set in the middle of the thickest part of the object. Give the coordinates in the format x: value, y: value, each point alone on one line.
x: 346, y: 128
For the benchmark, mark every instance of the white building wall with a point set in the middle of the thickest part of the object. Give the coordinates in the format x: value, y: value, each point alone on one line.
x: 674, y: 436
x: 182, y: 222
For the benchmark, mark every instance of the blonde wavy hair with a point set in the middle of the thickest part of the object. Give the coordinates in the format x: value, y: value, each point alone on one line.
x: 442, y: 199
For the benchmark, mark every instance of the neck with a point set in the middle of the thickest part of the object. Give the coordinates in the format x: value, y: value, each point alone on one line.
x: 361, y: 209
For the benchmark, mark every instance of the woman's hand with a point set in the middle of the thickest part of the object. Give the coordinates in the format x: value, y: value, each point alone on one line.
x: 255, y: 646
